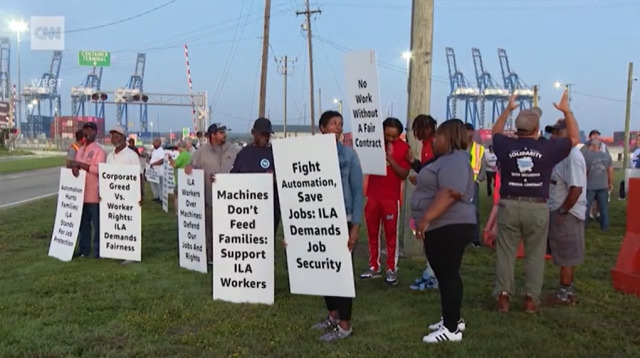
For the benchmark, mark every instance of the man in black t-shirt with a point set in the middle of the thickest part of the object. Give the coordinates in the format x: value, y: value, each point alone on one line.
x: 257, y: 157
x: 526, y: 163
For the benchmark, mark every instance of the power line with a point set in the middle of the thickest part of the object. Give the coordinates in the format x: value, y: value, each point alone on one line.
x: 123, y: 20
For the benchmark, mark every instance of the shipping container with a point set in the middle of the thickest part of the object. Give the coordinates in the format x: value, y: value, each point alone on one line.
x: 634, y: 137
x: 36, y: 126
x: 66, y: 126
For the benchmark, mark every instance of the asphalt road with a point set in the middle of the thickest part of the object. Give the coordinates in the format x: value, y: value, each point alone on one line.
x: 20, y: 188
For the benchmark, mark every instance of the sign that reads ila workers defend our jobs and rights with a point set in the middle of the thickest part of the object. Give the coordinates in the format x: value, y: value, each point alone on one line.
x: 314, y: 218
x: 363, y: 95
x: 191, y: 221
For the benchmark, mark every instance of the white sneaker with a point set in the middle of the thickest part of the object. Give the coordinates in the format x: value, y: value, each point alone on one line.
x: 443, y: 335
x: 439, y: 325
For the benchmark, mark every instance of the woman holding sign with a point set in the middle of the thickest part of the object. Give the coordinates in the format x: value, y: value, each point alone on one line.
x: 339, y: 318
x: 442, y: 207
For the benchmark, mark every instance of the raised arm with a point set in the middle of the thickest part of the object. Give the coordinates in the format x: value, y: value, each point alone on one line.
x: 572, y: 125
x: 498, y: 127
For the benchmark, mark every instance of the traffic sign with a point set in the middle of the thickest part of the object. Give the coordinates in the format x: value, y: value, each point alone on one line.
x: 94, y: 58
x: 185, y: 133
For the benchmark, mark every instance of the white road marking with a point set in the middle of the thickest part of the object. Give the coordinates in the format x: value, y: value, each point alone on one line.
x: 27, y: 200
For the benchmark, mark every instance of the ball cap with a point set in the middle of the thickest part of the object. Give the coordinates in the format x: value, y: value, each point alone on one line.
x: 560, y: 124
x: 528, y: 119
x: 262, y: 125
x: 217, y: 127
x: 118, y: 129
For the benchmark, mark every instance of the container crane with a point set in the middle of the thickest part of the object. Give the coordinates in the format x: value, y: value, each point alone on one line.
x: 89, y: 90
x: 461, y: 90
x: 133, y: 93
x: 514, y: 83
x: 489, y: 90
x: 5, y: 69
x: 45, y: 90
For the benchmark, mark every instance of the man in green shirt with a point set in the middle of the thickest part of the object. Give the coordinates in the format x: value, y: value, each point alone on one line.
x: 181, y: 161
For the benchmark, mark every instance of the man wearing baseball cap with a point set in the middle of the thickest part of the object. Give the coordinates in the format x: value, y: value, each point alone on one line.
x: 215, y: 156
x: 88, y: 159
x: 257, y: 157
x: 526, y: 164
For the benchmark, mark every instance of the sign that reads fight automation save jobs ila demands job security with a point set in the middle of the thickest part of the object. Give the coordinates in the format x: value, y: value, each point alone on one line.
x: 68, y: 215
x: 120, y: 212
x: 243, y: 248
x: 363, y: 95
x: 313, y: 216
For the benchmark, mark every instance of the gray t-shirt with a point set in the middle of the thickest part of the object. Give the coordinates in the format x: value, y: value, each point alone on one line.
x: 450, y: 171
x: 570, y: 172
x: 598, y: 164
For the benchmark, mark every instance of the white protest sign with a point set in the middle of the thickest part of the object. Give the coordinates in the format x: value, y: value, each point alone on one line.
x: 151, y: 174
x: 169, y: 173
x: 68, y: 215
x: 120, y: 212
x: 363, y: 92
x: 313, y: 216
x: 243, y: 248
x: 191, y: 224
x: 165, y: 185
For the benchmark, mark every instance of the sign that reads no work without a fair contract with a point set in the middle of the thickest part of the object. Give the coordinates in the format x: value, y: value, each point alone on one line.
x: 242, y: 209
x: 68, y: 215
x: 94, y: 58
x: 120, y: 212
x: 191, y: 224
x: 361, y: 73
x: 313, y: 216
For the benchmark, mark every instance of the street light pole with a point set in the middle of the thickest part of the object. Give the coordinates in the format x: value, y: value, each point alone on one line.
x: 339, y: 103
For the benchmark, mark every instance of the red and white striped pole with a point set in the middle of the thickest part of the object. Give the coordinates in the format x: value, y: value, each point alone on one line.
x: 13, y: 107
x: 193, y: 105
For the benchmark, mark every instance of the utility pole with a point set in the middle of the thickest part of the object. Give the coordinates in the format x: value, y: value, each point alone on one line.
x: 627, y: 119
x: 320, y: 101
x: 265, y: 54
x: 419, y: 103
x: 535, y: 95
x: 284, y: 70
x: 308, y: 13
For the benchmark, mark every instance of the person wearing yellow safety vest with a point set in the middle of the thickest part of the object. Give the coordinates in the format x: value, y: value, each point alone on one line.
x: 75, y: 147
x: 479, y: 174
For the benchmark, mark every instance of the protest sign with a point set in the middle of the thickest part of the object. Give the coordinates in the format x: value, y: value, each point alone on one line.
x: 151, y: 174
x: 243, y: 257
x: 313, y: 216
x: 363, y: 95
x: 165, y: 185
x: 68, y: 215
x: 120, y: 212
x: 191, y: 221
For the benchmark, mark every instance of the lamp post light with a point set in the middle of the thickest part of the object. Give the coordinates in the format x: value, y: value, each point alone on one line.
x: 19, y: 27
x: 339, y: 103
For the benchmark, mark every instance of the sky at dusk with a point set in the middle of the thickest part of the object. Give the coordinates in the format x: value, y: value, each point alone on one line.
x: 588, y: 43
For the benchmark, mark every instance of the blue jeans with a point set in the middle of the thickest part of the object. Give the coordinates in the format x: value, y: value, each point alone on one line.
x: 90, y: 215
x: 602, y: 197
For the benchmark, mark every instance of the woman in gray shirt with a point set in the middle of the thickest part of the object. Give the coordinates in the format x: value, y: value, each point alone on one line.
x: 442, y: 207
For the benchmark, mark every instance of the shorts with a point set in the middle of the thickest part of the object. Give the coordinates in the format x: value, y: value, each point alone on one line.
x: 566, y: 239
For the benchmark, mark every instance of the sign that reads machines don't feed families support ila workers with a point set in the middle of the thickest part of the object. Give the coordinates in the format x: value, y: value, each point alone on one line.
x: 314, y: 219
x: 363, y: 93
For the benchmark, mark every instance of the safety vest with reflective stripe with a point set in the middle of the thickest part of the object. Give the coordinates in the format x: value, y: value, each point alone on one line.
x: 75, y: 146
x: 477, y: 152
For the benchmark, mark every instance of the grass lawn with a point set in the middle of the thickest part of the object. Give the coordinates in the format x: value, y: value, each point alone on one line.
x: 21, y: 165
x: 11, y: 153
x: 156, y: 309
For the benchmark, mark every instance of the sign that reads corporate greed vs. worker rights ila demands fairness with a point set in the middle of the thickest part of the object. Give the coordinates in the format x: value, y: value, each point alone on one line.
x: 191, y: 224
x: 361, y: 74
x: 120, y: 212
x: 242, y: 209
x: 68, y: 215
x: 313, y: 216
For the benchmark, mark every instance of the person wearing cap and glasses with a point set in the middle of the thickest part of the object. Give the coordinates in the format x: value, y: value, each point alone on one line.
x: 599, y: 180
x: 215, y: 156
x: 526, y: 164
x: 568, y: 205
x: 123, y: 154
x: 88, y: 159
x: 257, y: 157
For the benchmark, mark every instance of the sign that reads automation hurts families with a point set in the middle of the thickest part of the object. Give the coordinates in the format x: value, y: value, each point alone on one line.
x: 313, y: 216
x: 68, y: 215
